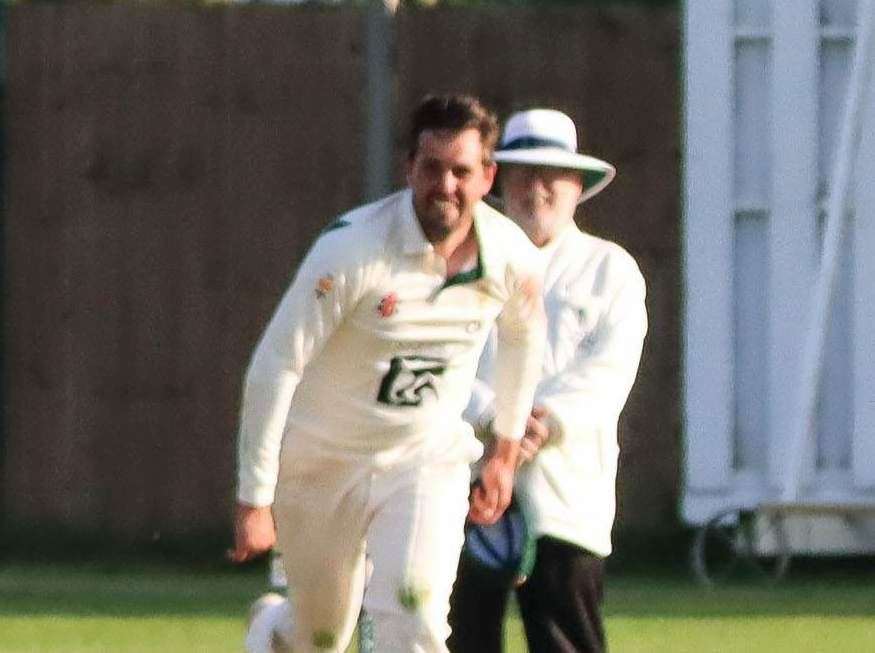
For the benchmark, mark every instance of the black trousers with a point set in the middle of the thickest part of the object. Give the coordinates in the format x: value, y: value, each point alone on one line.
x: 560, y: 604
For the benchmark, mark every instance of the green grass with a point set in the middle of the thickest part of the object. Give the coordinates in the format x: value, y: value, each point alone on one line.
x: 144, y: 608
x: 823, y: 612
x: 55, y: 609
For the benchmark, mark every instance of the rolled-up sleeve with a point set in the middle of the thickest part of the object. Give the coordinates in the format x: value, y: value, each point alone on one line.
x: 521, y: 334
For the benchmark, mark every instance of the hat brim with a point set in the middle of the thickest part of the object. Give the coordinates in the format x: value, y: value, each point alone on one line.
x: 597, y: 174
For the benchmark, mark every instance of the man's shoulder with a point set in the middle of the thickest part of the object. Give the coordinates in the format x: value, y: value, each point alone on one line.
x: 602, y: 251
x: 587, y: 264
x: 361, y: 230
x: 500, y: 232
x: 368, y: 216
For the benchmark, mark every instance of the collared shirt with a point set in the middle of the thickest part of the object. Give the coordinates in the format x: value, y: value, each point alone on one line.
x: 373, y: 350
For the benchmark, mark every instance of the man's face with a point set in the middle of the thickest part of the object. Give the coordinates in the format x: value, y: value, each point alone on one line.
x: 448, y: 177
x: 540, y: 199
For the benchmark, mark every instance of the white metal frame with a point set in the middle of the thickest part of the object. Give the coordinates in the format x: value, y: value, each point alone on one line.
x: 798, y: 284
x: 815, y: 337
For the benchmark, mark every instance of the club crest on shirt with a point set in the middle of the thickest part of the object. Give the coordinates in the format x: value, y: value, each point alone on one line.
x: 387, y: 305
x: 324, y: 286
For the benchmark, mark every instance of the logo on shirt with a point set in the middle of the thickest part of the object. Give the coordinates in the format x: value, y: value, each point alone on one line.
x: 387, y: 305
x: 324, y: 286
x: 409, y: 379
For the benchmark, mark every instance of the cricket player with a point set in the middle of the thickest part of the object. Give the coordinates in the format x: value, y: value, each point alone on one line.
x: 596, y: 316
x: 351, y: 439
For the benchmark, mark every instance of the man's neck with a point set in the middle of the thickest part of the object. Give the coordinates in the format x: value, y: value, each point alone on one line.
x: 463, y: 256
x: 458, y: 248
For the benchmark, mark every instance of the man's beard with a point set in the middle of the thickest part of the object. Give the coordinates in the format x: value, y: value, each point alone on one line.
x: 439, y: 217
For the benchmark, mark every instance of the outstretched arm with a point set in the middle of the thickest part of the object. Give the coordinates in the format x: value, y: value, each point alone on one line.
x: 521, y: 329
x: 325, y: 288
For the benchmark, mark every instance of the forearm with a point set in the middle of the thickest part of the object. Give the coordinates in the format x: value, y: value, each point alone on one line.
x: 519, y: 362
x: 504, y: 452
x: 480, y: 411
x: 493, y: 493
x: 263, y: 418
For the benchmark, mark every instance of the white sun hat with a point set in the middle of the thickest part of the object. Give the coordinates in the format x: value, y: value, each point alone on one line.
x: 546, y: 137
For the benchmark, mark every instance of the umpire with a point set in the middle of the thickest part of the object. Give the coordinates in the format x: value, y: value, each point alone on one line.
x: 594, y: 299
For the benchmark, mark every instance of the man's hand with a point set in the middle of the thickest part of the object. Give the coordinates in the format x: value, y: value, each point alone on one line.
x: 254, y: 532
x: 537, y: 434
x: 491, y: 496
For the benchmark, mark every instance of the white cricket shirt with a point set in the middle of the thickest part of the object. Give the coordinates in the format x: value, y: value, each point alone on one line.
x: 373, y: 350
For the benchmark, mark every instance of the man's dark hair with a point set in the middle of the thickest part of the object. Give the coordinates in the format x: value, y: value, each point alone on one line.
x: 455, y: 113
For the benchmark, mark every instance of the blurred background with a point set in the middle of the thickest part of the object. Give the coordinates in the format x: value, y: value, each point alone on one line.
x: 167, y: 164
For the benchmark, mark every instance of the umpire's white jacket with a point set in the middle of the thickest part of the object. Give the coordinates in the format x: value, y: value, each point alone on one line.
x: 594, y: 298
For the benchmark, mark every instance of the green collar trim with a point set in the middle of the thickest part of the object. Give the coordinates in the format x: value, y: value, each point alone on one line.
x: 469, y: 275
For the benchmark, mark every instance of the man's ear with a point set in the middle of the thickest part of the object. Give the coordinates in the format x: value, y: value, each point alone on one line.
x: 489, y: 172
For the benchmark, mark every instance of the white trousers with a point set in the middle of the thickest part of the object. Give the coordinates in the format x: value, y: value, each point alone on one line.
x: 409, y: 520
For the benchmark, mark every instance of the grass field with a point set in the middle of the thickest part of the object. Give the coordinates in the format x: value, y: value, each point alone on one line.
x: 144, y: 608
